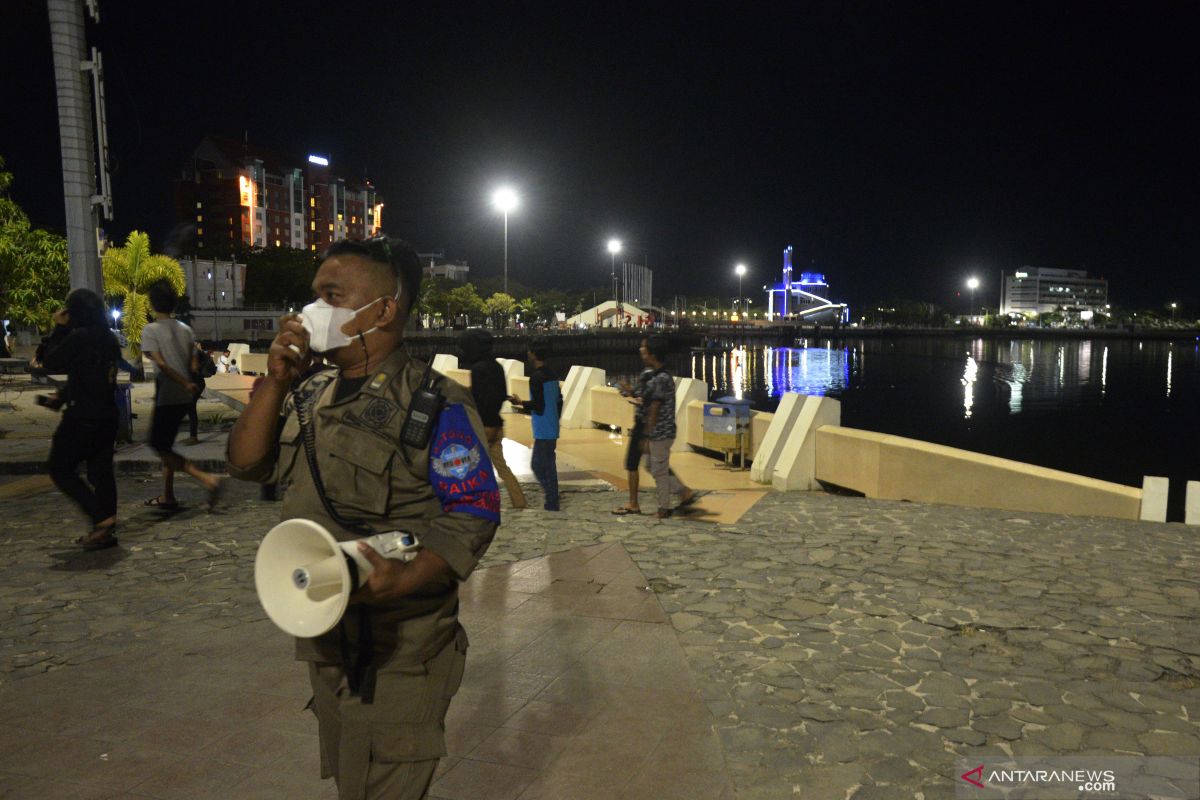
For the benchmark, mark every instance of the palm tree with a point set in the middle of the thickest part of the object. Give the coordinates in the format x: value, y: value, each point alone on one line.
x: 128, y: 272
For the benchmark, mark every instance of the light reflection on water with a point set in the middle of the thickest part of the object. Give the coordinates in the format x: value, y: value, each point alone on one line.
x: 1113, y: 409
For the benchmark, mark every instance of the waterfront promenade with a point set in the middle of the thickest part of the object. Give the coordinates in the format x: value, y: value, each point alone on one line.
x: 808, y: 646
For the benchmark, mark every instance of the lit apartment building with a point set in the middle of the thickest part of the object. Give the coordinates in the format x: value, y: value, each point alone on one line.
x: 1038, y: 290
x: 240, y: 196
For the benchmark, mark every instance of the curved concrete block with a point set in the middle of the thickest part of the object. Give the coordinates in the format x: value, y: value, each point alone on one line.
x: 577, y: 396
x: 512, y: 369
x: 796, y: 467
x: 444, y: 362
x: 1154, y: 499
x: 686, y: 390
x: 763, y: 468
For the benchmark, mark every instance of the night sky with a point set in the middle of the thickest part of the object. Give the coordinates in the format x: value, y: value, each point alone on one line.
x: 898, y: 147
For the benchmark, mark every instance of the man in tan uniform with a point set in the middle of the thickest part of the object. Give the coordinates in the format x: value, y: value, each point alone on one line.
x: 383, y: 679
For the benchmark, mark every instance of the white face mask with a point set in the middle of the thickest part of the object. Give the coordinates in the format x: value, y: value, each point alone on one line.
x: 324, y: 323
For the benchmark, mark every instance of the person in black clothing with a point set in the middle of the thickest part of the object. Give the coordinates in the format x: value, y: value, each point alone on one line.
x: 490, y: 389
x: 85, y: 349
x: 544, y: 407
x: 203, y: 360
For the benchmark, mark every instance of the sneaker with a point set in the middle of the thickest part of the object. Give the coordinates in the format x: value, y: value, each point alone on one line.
x: 549, y: 507
x: 191, y: 440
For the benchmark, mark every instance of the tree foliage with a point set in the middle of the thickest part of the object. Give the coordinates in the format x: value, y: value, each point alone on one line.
x: 128, y: 272
x: 35, y: 271
x: 464, y: 301
x: 500, y: 308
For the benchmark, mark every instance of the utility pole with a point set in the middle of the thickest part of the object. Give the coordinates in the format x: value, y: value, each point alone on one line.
x: 76, y: 103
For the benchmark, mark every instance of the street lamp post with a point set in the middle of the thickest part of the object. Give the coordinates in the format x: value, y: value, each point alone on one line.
x: 972, y: 284
x: 1173, y: 305
x: 614, y: 247
x: 740, y: 269
x: 505, y: 200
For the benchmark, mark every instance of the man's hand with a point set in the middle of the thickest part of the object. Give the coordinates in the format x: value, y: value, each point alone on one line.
x: 289, y: 355
x: 391, y: 579
x: 385, y: 578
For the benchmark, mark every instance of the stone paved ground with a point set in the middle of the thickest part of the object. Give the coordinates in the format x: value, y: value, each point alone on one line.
x: 846, y: 647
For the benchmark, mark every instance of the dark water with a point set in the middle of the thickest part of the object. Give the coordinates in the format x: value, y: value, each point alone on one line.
x: 1109, y: 409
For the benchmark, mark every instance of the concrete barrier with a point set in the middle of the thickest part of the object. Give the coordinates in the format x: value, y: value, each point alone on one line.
x: 1154, y: 499
x: 1191, y: 513
x: 252, y: 364
x: 611, y: 409
x: 772, y: 441
x: 896, y: 468
x: 796, y: 464
x: 512, y: 369
x: 687, y: 391
x: 444, y: 362
x: 459, y: 376
x: 577, y: 396
x: 519, y: 387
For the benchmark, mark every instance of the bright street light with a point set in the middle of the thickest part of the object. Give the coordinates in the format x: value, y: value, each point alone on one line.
x: 972, y: 284
x: 505, y: 200
x: 614, y: 247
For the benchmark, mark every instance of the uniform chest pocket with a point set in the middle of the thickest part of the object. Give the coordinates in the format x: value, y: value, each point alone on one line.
x: 359, y: 474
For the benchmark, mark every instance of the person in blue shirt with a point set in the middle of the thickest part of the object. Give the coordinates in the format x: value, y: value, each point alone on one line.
x: 544, y: 406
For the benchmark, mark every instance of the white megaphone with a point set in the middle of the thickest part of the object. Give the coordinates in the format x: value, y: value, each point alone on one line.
x: 304, y: 577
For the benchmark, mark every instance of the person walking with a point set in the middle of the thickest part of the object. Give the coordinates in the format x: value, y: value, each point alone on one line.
x: 385, y: 677
x: 488, y: 388
x: 83, y: 347
x: 636, y: 445
x: 169, y: 344
x: 544, y: 406
x: 658, y: 427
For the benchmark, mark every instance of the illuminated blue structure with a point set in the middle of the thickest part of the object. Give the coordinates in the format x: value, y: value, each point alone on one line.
x: 803, y: 299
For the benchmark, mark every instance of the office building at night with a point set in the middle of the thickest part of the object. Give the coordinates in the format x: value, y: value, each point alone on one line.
x: 237, y: 196
x: 1038, y: 290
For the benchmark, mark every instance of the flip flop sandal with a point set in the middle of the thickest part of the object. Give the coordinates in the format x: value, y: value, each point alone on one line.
x: 102, y: 542
x: 624, y: 511
x: 161, y: 505
x: 214, y: 495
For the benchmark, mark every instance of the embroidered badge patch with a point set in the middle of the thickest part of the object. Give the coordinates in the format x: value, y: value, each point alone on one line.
x: 378, y: 413
x: 459, y: 468
x: 456, y: 461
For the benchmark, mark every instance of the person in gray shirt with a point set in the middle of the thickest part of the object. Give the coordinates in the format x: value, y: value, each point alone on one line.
x: 170, y: 344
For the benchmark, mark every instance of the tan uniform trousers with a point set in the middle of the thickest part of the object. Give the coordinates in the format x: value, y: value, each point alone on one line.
x: 658, y: 458
x: 495, y: 441
x: 388, y: 749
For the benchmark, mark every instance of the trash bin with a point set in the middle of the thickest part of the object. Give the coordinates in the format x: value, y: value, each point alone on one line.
x: 124, y: 397
x: 726, y: 427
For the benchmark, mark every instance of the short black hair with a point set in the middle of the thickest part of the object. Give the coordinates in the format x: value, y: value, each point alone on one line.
x: 163, y: 297
x: 540, y: 347
x: 86, y: 309
x: 659, y: 346
x: 397, y: 254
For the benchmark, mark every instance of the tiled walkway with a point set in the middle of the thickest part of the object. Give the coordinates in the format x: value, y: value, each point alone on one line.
x: 576, y: 687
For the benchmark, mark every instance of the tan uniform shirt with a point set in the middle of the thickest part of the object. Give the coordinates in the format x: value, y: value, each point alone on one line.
x: 370, y: 477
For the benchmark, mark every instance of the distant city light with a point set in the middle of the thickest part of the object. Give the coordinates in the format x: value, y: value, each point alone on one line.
x: 614, y: 246
x: 322, y: 160
x: 505, y: 199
